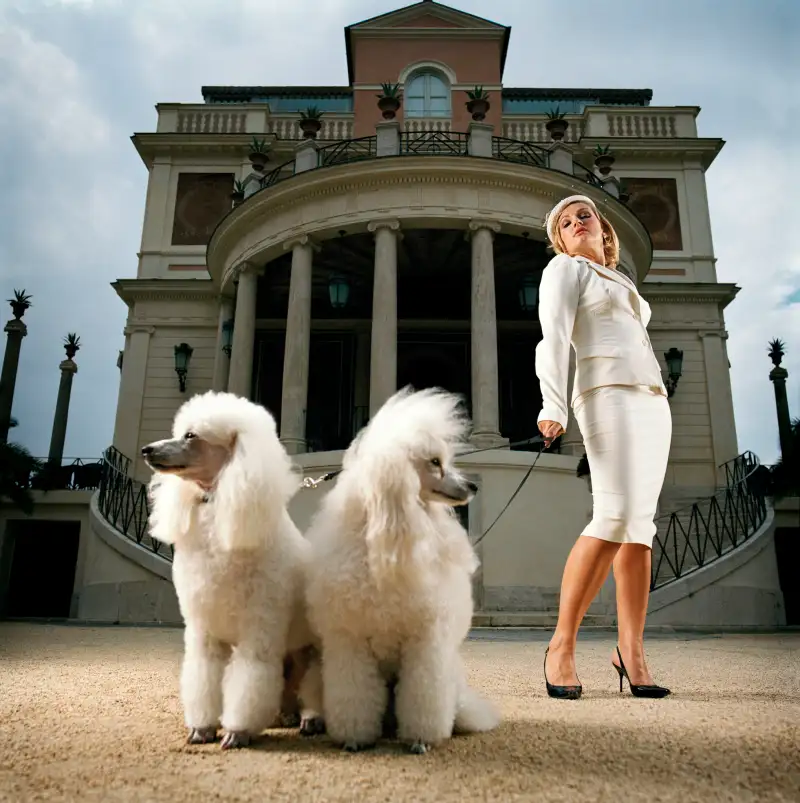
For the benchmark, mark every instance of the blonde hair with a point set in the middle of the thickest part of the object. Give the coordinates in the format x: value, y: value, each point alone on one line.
x: 610, y: 239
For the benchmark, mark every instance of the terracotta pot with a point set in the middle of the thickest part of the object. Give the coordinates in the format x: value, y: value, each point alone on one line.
x: 71, y: 351
x: 18, y: 308
x: 603, y: 164
x: 258, y: 160
x: 478, y: 109
x: 310, y: 128
x: 557, y: 128
x: 237, y: 198
x: 389, y: 107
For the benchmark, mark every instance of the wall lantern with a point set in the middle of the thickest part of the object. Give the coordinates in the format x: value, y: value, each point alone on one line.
x: 183, y: 353
x: 528, y: 293
x: 674, y: 360
x: 339, y: 291
x: 227, y: 336
x: 120, y: 358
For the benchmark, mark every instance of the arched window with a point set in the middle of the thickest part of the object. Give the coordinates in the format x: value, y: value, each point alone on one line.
x: 426, y: 95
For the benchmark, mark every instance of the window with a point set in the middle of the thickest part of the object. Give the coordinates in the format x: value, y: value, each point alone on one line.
x: 426, y: 95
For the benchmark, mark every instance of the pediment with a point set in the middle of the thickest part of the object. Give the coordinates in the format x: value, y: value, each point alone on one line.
x: 428, y: 15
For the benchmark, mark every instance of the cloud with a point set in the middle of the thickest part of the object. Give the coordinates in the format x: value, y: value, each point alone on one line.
x: 78, y: 77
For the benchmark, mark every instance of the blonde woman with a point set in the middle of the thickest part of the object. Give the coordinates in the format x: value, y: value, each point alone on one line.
x: 621, y: 407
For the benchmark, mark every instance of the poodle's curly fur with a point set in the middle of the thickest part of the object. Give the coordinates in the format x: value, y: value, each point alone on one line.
x: 220, y: 495
x: 389, y: 585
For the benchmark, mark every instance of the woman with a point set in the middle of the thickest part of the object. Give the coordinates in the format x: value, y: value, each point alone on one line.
x: 621, y: 406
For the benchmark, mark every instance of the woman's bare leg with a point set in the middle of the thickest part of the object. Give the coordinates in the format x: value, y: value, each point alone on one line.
x: 585, y: 572
x: 632, y: 576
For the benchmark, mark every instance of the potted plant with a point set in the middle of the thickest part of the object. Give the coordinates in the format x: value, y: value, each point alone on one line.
x: 259, y: 154
x: 624, y: 193
x: 389, y: 100
x: 237, y: 196
x: 20, y: 303
x: 777, y: 349
x: 72, y: 345
x: 310, y: 122
x: 478, y: 103
x: 556, y: 125
x: 603, y: 159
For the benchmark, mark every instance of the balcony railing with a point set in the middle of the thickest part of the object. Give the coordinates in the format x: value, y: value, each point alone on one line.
x: 698, y: 534
x: 71, y: 474
x: 426, y: 143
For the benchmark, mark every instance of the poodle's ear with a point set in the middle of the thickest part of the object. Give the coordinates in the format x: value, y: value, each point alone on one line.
x: 254, y: 488
x: 172, y: 504
x: 390, y: 490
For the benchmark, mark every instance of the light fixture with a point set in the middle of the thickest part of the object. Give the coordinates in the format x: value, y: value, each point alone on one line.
x: 120, y: 357
x: 528, y: 293
x: 339, y: 291
x: 227, y: 336
x: 674, y: 360
x: 183, y: 353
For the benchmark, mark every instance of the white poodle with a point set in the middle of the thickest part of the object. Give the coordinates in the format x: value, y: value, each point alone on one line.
x: 389, y: 586
x: 219, y: 494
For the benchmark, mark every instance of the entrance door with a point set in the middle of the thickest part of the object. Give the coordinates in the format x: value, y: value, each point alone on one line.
x: 520, y: 396
x: 43, y: 557
x: 426, y: 360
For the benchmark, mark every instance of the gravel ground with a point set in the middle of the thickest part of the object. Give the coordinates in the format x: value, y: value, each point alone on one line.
x: 92, y: 714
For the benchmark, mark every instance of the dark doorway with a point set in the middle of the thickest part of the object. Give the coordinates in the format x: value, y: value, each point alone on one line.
x: 43, y: 558
x: 520, y: 395
x: 426, y: 360
x: 787, y: 552
x: 268, y: 373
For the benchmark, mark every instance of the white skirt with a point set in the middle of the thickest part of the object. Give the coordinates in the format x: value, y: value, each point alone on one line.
x: 627, y: 433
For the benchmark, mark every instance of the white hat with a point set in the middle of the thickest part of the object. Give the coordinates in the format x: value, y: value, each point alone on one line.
x: 552, y: 215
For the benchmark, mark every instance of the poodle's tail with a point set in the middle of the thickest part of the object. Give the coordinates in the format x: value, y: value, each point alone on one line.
x: 474, y: 714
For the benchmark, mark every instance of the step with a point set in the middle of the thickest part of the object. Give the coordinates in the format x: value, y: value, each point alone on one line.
x: 533, y: 619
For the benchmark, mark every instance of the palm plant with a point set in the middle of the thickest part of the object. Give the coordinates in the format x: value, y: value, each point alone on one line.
x: 17, y: 467
x: 72, y: 344
x: 20, y: 303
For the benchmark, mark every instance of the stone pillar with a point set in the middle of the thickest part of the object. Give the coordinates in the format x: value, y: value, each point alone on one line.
x: 571, y: 440
x: 610, y: 184
x: 778, y: 376
x: 485, y: 383
x: 59, y: 435
x: 222, y: 359
x: 306, y: 157
x: 16, y: 330
x: 387, y: 138
x: 480, y: 139
x: 294, y: 398
x: 131, y: 391
x: 240, y: 376
x: 383, y: 355
x: 561, y: 158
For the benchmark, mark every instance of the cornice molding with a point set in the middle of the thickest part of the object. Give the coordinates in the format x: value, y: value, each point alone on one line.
x: 689, y: 293
x: 133, y: 290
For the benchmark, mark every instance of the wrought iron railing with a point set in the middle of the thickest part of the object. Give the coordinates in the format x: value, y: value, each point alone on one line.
x: 277, y: 174
x: 693, y: 536
x: 514, y: 150
x: 123, y: 503
x: 584, y: 174
x: 349, y: 150
x: 71, y: 474
x: 434, y: 143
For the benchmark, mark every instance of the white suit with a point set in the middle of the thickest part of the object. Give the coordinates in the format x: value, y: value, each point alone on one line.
x: 618, y: 397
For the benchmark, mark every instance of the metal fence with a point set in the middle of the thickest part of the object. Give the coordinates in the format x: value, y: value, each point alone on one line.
x: 696, y: 535
x: 123, y: 503
x: 434, y: 143
x: 71, y: 474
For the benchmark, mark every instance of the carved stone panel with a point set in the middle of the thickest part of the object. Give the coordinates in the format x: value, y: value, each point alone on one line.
x: 202, y: 200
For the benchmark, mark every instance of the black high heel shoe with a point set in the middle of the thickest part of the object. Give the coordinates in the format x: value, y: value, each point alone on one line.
x: 655, y: 692
x: 560, y: 692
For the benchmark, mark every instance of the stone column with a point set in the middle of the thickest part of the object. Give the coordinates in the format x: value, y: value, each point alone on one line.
x: 131, y: 392
x: 222, y: 359
x: 387, y: 138
x: 240, y: 376
x: 720, y: 398
x: 16, y: 330
x: 59, y: 435
x: 485, y: 383
x: 383, y: 352
x: 778, y: 376
x: 294, y: 398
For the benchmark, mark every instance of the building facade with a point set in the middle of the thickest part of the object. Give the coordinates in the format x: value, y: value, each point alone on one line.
x: 316, y: 263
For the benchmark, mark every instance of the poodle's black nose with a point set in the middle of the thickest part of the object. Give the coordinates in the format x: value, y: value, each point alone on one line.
x: 473, y: 487
x: 146, y: 450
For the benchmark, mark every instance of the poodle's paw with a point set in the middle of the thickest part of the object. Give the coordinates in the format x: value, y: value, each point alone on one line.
x: 312, y: 726
x: 233, y: 739
x: 418, y: 748
x: 355, y: 747
x: 289, y: 720
x: 202, y: 735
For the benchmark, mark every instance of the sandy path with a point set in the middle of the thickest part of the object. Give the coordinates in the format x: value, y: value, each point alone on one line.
x: 93, y: 714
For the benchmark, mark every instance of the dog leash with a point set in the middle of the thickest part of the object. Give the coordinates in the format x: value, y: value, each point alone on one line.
x: 313, y: 482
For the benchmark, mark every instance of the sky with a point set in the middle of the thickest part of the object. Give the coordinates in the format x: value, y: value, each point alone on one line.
x: 79, y: 77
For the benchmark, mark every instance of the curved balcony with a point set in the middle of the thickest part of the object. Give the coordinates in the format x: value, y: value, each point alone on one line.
x: 430, y: 180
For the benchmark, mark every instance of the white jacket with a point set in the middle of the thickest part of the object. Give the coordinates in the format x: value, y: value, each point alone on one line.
x: 600, y: 312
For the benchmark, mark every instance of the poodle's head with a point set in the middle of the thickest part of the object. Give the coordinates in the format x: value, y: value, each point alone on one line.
x: 409, y: 447
x: 226, y: 449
